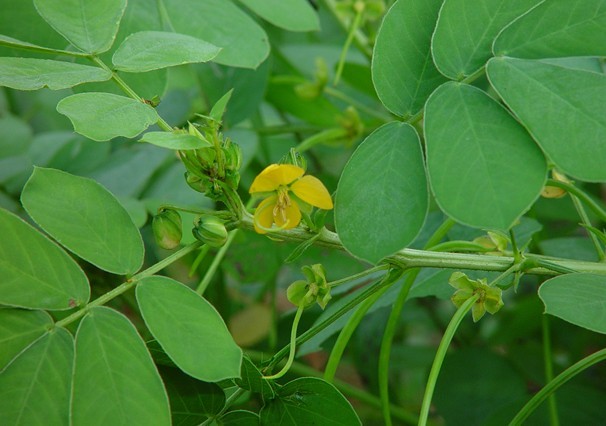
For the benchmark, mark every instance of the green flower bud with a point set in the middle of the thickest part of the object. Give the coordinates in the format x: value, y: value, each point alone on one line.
x: 195, y: 182
x: 167, y: 229
x: 299, y: 293
x: 210, y: 230
x: 490, y: 297
x: 233, y: 155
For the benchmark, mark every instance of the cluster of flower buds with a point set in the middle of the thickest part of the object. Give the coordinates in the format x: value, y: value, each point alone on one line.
x: 210, y: 167
x: 314, y: 289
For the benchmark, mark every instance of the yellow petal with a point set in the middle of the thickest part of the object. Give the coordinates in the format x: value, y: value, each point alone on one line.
x: 264, y: 216
x: 292, y: 215
x: 275, y: 175
x: 311, y: 190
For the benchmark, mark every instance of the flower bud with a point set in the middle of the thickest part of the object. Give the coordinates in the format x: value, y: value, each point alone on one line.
x: 210, y: 230
x: 167, y: 229
x: 195, y: 182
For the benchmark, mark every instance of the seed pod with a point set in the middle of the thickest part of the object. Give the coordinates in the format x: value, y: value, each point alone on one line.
x: 210, y: 230
x: 167, y: 229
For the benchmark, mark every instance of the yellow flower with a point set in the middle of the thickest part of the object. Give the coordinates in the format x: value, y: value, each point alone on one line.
x: 279, y: 181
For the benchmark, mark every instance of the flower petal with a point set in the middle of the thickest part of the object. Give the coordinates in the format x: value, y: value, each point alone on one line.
x: 311, y: 190
x: 264, y: 215
x: 275, y: 175
x: 292, y: 214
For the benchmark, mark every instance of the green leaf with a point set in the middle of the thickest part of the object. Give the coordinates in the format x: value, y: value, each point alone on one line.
x: 218, y: 109
x: 567, y: 114
x: 36, y: 273
x: 35, y: 387
x: 556, y: 28
x: 243, y: 42
x: 579, y: 299
x: 152, y: 50
x: 33, y: 74
x: 189, y: 329
x: 90, y: 25
x: 474, y: 152
x: 240, y: 418
x: 19, y: 44
x: 18, y: 329
x: 462, y: 41
x: 174, y: 140
x: 103, y: 116
x: 115, y: 380
x: 382, y: 198
x: 252, y: 380
x: 292, y: 15
x: 84, y: 217
x: 309, y: 401
x: 14, y: 146
x: 191, y: 401
x: 21, y: 21
x: 402, y: 69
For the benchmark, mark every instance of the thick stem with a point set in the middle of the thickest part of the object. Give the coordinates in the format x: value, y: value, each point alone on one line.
x: 411, y: 258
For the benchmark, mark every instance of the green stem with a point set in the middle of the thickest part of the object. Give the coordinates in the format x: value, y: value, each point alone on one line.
x: 292, y: 346
x: 412, y: 258
x: 127, y: 285
x: 127, y: 89
x: 337, y: 94
x: 386, y: 343
x: 553, y: 407
x: 324, y: 136
x: 360, y: 39
x: 362, y: 274
x: 212, y: 269
x: 581, y: 195
x: 350, y: 36
x: 441, y: 354
x: 585, y: 221
x: 339, y: 348
x: 553, y: 385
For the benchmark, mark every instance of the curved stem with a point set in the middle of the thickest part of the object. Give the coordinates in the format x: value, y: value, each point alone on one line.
x: 441, y: 354
x: 292, y: 346
x: 368, y: 292
x: 585, y: 221
x: 581, y: 195
x: 553, y: 385
x: 127, y: 285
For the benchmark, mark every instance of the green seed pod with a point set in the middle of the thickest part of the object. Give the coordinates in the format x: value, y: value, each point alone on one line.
x: 210, y: 230
x: 167, y: 229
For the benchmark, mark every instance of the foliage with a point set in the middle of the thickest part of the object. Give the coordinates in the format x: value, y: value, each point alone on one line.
x: 141, y: 282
